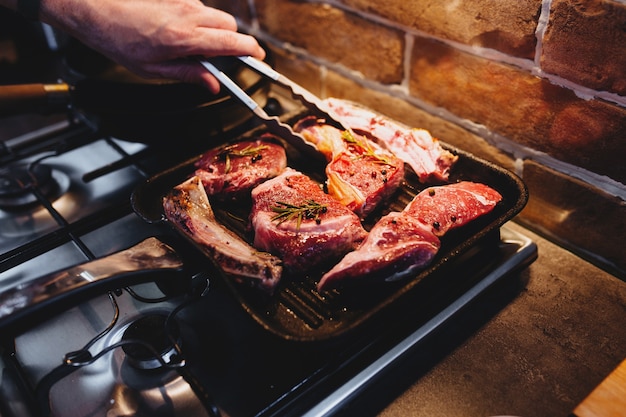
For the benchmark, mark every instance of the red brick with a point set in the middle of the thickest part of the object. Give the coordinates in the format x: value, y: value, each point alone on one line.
x: 521, y: 107
x: 298, y: 69
x: 585, y: 42
x: 583, y: 217
x: 406, y: 113
x: 336, y: 36
x: 505, y: 25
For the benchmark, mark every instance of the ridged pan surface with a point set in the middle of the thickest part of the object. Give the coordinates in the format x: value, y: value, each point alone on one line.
x: 297, y: 311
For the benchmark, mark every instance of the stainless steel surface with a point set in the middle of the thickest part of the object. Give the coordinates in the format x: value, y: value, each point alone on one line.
x: 79, y: 199
x: 108, y: 386
x: 523, y: 253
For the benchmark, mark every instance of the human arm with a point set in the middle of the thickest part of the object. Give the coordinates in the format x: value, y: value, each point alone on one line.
x: 152, y: 38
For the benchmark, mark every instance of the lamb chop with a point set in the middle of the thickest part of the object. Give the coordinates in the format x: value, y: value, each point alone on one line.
x: 416, y: 147
x: 359, y: 173
x: 188, y: 208
x: 397, y: 246
x: 231, y: 171
x: 294, y: 219
x: 402, y: 243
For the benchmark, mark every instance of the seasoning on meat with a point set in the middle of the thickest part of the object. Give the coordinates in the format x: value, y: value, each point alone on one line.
x: 231, y: 171
x: 304, y: 242
x: 360, y: 174
x: 402, y: 243
x: 188, y: 208
x: 416, y: 147
x: 397, y: 246
x: 453, y: 205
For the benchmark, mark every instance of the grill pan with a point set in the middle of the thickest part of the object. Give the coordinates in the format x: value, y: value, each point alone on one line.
x: 296, y: 311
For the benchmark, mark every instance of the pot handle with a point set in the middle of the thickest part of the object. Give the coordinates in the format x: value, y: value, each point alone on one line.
x: 33, y: 98
x: 136, y: 264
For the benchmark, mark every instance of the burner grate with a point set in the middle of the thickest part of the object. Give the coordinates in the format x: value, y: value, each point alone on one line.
x: 150, y: 330
x: 53, y: 190
x: 17, y: 180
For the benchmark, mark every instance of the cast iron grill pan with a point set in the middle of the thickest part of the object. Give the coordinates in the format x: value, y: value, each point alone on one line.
x: 297, y: 311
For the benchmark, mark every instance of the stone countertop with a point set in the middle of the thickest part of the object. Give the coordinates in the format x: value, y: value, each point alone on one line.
x: 533, y: 346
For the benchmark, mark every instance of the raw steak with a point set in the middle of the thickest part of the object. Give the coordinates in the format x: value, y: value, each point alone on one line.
x: 359, y: 173
x: 416, y: 147
x: 450, y: 206
x: 402, y: 243
x: 397, y: 246
x: 188, y: 208
x: 232, y: 170
x: 295, y: 220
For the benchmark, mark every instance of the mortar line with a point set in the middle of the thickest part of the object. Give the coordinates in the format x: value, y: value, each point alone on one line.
x: 540, y: 31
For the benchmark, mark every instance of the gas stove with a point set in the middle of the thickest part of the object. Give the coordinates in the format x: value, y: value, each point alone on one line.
x: 181, y: 346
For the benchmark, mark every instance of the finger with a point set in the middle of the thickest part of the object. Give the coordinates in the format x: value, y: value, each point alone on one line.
x: 185, y: 70
x: 212, y: 42
x: 210, y: 82
x: 218, y: 19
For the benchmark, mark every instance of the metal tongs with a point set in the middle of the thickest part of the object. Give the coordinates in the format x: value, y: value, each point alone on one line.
x: 273, y: 123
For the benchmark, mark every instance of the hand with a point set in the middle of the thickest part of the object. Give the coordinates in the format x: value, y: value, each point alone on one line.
x: 153, y: 38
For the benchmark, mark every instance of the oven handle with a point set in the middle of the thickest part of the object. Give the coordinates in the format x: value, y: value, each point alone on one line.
x: 22, y: 304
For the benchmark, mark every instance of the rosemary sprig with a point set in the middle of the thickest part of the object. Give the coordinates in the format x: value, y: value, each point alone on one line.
x: 309, y: 210
x: 231, y: 151
x: 365, y: 148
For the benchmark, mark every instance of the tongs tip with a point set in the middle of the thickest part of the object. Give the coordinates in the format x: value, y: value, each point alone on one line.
x: 311, y: 101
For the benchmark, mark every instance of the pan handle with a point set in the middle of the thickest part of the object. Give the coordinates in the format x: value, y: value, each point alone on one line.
x: 33, y: 98
x: 139, y: 263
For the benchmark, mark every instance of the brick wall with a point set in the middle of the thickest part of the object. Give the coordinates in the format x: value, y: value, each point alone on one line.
x: 537, y: 86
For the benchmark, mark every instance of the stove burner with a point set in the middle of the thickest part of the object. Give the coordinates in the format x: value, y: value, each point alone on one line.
x: 18, y: 180
x: 150, y: 329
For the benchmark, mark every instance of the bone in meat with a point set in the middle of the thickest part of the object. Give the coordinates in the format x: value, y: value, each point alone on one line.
x: 188, y: 208
x: 416, y: 147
